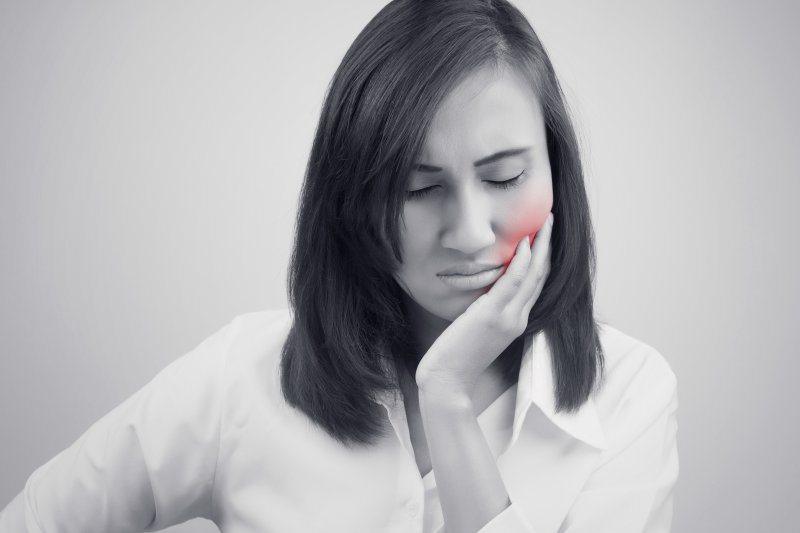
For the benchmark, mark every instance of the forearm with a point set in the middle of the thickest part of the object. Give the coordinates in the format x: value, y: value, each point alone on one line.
x: 471, y: 490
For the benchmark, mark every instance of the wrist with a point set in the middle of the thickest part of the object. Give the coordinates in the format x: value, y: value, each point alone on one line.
x: 442, y: 385
x: 443, y: 396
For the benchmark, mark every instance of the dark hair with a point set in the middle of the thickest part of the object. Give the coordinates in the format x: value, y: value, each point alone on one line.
x: 348, y: 317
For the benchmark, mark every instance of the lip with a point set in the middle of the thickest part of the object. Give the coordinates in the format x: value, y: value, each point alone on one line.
x: 472, y: 281
x: 467, y: 269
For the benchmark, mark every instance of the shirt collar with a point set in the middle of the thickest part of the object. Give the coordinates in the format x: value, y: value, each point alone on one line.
x: 534, y: 386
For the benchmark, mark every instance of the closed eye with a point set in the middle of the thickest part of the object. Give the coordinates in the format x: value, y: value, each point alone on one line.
x: 505, y: 184
x: 509, y: 182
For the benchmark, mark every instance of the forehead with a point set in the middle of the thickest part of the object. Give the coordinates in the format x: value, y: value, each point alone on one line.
x: 489, y: 110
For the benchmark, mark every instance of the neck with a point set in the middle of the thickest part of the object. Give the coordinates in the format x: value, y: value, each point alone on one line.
x: 425, y: 327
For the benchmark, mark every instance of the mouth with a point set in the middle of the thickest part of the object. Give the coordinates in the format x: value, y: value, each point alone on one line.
x: 467, y: 269
x: 474, y: 281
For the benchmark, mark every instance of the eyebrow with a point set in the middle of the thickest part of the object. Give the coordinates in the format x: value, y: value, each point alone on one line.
x: 480, y: 162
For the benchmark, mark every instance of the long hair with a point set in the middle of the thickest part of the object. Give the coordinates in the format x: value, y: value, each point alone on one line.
x: 349, y: 321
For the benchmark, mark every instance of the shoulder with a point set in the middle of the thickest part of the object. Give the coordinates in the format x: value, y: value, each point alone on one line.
x: 253, y: 360
x: 638, y: 382
x: 236, y: 346
x: 629, y: 359
x: 258, y: 337
x: 255, y: 328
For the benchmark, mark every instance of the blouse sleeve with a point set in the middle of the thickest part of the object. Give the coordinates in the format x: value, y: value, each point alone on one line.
x: 632, y: 490
x: 146, y: 465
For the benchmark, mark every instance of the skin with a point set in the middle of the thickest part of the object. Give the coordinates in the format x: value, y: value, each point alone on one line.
x: 464, y: 217
x: 464, y: 331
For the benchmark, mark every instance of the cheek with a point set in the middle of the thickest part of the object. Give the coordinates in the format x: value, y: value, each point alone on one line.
x: 415, y: 232
x: 416, y: 242
x: 525, y: 217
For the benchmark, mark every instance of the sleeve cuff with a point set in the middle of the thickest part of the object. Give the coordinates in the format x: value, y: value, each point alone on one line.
x: 510, y: 520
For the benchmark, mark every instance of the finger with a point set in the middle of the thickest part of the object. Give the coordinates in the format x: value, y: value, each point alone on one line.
x: 528, y: 305
x: 511, y: 280
x: 539, y: 256
x: 537, y: 271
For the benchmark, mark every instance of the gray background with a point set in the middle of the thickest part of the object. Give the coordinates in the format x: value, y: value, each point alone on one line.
x: 152, y: 152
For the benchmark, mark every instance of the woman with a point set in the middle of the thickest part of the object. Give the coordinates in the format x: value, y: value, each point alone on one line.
x: 436, y: 371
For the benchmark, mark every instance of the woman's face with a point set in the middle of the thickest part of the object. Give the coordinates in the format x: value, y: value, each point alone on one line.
x: 490, y: 129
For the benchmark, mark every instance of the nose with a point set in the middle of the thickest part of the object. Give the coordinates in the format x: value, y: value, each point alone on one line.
x: 468, y: 223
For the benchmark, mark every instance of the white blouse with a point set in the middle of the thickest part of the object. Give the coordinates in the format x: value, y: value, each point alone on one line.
x: 211, y: 436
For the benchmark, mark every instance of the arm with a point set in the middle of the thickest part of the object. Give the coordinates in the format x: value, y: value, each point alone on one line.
x: 471, y: 490
x: 146, y: 465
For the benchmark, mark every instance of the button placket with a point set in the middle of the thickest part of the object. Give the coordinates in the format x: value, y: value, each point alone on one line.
x: 409, y: 477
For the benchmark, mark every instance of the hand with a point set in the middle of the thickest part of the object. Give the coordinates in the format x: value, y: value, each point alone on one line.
x: 473, y: 341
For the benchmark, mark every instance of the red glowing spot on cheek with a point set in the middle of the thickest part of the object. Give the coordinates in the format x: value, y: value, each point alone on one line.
x: 526, y: 218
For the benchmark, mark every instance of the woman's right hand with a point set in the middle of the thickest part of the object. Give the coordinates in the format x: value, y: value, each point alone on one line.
x: 467, y: 347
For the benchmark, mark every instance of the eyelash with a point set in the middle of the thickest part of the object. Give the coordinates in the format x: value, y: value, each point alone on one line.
x: 507, y: 184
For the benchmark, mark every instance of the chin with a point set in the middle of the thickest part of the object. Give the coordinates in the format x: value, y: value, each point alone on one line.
x: 443, y: 306
x: 451, y: 308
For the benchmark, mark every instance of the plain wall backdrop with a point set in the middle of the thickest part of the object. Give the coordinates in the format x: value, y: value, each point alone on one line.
x: 151, y: 155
